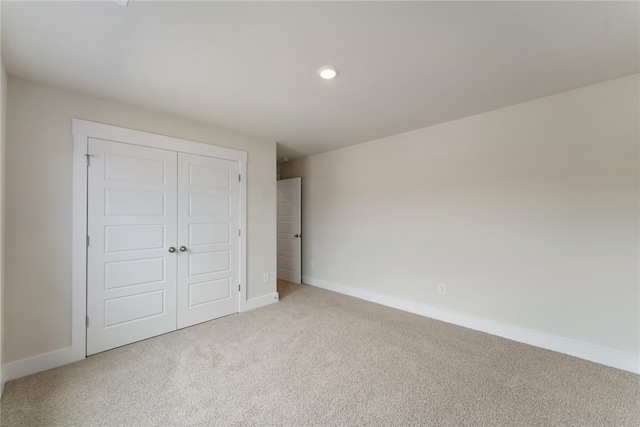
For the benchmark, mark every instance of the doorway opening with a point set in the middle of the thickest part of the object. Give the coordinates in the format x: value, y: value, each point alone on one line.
x: 289, y: 233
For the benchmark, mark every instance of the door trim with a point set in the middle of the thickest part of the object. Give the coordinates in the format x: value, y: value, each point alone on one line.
x: 82, y: 130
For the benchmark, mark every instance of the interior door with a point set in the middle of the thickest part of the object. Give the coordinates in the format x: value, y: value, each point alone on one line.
x: 208, y: 235
x: 132, y: 221
x: 289, y: 230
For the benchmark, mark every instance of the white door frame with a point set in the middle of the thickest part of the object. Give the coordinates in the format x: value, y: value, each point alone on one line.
x: 82, y: 130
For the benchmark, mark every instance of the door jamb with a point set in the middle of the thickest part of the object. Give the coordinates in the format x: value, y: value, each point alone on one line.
x: 82, y: 130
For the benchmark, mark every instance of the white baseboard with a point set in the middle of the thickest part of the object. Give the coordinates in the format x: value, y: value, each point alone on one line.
x: 35, y: 364
x: 3, y: 375
x: 604, y: 356
x: 261, y: 301
x: 593, y: 353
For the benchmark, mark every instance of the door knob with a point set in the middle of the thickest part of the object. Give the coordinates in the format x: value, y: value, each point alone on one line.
x: 172, y: 249
x: 297, y: 235
x: 183, y: 248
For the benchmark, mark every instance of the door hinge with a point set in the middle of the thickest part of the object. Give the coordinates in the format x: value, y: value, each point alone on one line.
x: 238, y: 288
x: 87, y: 240
x: 88, y: 156
x: 239, y: 232
x: 239, y: 178
x: 87, y: 321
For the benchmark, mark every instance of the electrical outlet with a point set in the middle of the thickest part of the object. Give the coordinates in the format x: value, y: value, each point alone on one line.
x: 265, y: 277
x: 442, y: 288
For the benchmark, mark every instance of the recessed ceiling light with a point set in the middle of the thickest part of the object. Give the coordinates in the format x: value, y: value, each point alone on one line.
x: 328, y: 73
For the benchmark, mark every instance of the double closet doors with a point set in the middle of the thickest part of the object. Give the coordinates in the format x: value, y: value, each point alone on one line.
x: 163, y: 245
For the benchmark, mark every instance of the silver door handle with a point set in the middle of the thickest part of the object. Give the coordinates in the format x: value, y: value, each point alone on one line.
x: 183, y: 248
x: 172, y: 249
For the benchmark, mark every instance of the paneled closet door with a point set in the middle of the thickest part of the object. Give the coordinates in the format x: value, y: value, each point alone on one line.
x: 208, y: 238
x: 132, y: 222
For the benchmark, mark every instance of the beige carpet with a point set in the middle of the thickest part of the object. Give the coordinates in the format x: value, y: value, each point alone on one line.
x: 321, y: 358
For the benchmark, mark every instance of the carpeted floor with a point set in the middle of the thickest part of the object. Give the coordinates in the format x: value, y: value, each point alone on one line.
x: 321, y: 358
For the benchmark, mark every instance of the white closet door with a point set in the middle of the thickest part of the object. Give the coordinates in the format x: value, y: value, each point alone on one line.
x: 132, y: 220
x: 208, y: 226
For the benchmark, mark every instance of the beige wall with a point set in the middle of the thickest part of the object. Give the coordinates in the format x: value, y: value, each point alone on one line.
x: 38, y: 201
x: 529, y: 214
x: 3, y: 133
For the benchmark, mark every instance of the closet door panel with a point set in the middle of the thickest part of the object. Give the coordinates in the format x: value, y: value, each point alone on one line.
x: 208, y: 226
x: 132, y: 223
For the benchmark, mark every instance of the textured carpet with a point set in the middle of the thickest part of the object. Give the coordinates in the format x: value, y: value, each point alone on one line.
x: 321, y: 358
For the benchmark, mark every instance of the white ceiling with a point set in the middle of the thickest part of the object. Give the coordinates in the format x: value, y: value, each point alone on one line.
x: 251, y: 66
